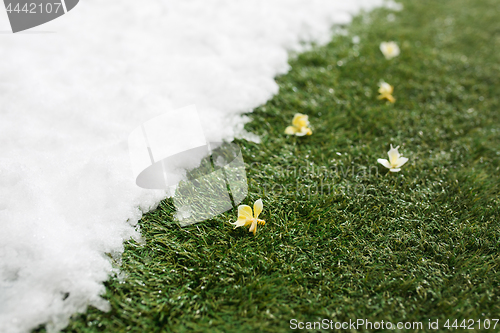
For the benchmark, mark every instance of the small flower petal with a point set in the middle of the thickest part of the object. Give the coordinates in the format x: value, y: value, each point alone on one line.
x: 240, y: 223
x: 401, y: 161
x: 306, y: 130
x: 390, y: 98
x: 290, y: 130
x: 393, y: 155
x: 303, y: 131
x: 253, y: 227
x: 384, y: 162
x: 385, y: 88
x: 257, y: 208
x: 300, y: 120
x: 245, y: 212
x: 395, y: 170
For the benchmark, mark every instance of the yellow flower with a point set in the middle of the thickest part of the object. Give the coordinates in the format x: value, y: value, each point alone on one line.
x: 247, y: 218
x: 389, y: 49
x: 395, y: 162
x: 385, y: 91
x: 300, y: 125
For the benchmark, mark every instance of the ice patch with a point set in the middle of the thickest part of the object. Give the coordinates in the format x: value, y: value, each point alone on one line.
x: 69, y: 100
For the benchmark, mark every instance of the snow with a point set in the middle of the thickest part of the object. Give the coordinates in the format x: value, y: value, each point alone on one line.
x: 73, y: 89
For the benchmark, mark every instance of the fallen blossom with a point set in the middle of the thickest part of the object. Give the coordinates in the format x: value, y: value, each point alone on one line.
x: 247, y: 218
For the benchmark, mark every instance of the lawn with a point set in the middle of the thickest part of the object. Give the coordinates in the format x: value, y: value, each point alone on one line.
x: 345, y: 239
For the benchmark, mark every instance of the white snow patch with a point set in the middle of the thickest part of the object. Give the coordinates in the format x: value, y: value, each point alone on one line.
x: 70, y: 98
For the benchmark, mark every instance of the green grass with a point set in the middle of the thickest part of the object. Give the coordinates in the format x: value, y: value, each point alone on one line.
x: 417, y: 245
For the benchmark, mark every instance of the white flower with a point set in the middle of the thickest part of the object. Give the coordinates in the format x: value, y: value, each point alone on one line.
x: 395, y: 162
x: 389, y: 49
